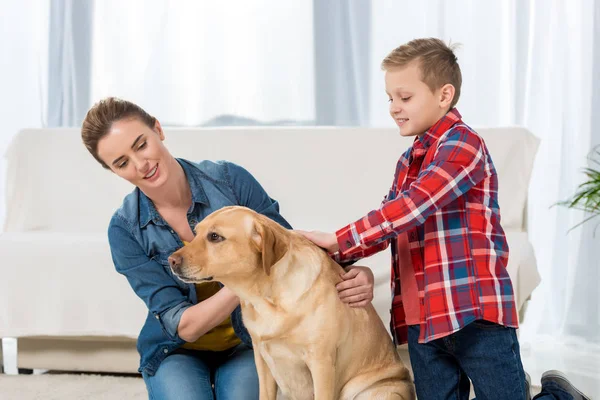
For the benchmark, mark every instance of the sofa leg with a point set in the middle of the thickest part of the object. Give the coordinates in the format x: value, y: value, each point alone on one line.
x: 9, y: 356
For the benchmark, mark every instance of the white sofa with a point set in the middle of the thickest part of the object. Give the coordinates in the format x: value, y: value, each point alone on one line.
x: 59, y: 292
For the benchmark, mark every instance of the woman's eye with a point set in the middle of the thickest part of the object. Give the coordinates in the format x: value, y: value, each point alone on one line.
x: 141, y: 146
x: 122, y: 165
x: 390, y: 100
x: 406, y: 98
x: 214, y: 237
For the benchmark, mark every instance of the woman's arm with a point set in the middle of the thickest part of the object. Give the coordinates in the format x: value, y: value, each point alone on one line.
x: 161, y: 293
x: 204, y: 316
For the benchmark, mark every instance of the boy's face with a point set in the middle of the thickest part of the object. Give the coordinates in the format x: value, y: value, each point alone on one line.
x: 413, y: 106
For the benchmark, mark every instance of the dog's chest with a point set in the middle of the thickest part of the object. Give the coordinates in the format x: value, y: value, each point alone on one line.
x: 265, y: 321
x: 287, y: 365
x: 270, y: 328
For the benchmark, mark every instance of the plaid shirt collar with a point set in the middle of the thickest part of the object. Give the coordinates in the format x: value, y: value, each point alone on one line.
x: 432, y: 134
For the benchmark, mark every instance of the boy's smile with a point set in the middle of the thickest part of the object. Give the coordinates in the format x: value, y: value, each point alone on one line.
x: 413, y: 106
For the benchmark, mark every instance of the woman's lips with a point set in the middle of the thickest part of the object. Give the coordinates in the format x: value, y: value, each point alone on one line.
x: 153, y: 174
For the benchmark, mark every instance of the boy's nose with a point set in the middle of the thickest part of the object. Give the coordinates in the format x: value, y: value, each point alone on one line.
x: 395, y: 109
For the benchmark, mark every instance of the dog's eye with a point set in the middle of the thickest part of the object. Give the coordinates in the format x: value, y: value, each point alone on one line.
x: 214, y: 237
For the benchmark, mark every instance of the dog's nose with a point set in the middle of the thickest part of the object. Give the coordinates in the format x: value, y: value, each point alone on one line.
x: 175, y: 261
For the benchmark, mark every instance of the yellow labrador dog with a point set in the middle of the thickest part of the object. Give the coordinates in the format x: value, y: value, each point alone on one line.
x: 306, y: 341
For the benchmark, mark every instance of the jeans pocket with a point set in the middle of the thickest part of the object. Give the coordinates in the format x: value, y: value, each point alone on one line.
x: 488, y: 325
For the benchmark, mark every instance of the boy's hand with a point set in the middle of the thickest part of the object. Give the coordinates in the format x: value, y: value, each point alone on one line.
x: 357, y: 287
x: 327, y: 241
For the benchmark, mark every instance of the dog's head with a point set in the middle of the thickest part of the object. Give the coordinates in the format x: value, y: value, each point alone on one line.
x: 231, y: 242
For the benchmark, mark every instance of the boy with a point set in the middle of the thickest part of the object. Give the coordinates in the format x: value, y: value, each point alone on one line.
x: 453, y: 299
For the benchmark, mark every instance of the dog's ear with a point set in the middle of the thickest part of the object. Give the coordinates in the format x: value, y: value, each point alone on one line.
x: 271, y: 247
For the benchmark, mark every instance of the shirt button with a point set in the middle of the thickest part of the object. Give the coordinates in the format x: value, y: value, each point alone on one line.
x: 165, y: 350
x: 172, y: 231
x: 348, y: 244
x: 157, y: 316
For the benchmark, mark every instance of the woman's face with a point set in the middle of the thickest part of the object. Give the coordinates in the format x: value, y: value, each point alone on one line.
x: 136, y: 153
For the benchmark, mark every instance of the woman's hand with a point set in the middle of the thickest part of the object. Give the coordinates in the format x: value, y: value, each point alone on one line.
x: 357, y: 287
x: 327, y: 241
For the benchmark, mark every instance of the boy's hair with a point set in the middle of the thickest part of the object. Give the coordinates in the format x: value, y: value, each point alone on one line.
x: 100, y: 117
x: 437, y: 63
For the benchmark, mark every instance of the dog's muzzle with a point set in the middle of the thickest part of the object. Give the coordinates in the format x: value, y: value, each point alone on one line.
x: 176, y: 263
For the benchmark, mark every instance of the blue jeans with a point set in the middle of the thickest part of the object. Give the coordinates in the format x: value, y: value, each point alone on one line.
x: 486, y: 353
x: 190, y: 375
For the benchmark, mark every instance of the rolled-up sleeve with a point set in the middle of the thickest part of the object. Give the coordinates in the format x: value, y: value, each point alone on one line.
x: 147, y: 277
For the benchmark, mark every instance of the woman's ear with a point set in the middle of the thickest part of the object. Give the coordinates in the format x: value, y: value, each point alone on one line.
x: 158, y: 129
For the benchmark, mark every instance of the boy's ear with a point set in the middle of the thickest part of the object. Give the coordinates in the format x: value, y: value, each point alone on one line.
x: 446, y: 95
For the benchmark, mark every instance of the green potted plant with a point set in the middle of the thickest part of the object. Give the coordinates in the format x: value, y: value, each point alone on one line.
x: 587, y: 196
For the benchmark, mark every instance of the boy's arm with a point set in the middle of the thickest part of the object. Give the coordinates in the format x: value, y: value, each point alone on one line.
x: 328, y: 241
x: 349, y: 258
x: 457, y: 167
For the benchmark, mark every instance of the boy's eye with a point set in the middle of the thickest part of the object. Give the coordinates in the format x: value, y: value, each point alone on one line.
x: 406, y: 98
x: 390, y: 100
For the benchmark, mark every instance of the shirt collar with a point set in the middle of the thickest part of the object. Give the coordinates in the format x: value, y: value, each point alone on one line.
x: 147, y: 209
x: 432, y: 134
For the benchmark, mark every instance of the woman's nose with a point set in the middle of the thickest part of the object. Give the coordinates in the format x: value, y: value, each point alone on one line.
x: 142, y: 165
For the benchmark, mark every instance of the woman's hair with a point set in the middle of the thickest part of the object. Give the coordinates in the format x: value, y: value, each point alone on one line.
x: 103, y: 114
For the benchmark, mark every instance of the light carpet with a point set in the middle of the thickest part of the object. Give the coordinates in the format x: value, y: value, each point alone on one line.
x: 77, y: 387
x: 71, y: 387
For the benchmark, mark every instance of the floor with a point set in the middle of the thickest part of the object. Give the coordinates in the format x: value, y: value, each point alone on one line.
x: 71, y: 387
x: 582, y: 365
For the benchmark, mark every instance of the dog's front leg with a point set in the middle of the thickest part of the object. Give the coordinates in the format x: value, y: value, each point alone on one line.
x: 266, y: 383
x: 323, y: 374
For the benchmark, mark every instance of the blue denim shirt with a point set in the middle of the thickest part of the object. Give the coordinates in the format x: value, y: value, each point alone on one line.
x: 141, y: 242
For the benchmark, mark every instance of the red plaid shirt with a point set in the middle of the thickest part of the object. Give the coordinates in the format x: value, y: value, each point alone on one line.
x: 445, y: 196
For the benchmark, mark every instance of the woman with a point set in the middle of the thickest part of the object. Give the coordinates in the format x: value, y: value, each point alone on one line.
x: 193, y: 344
